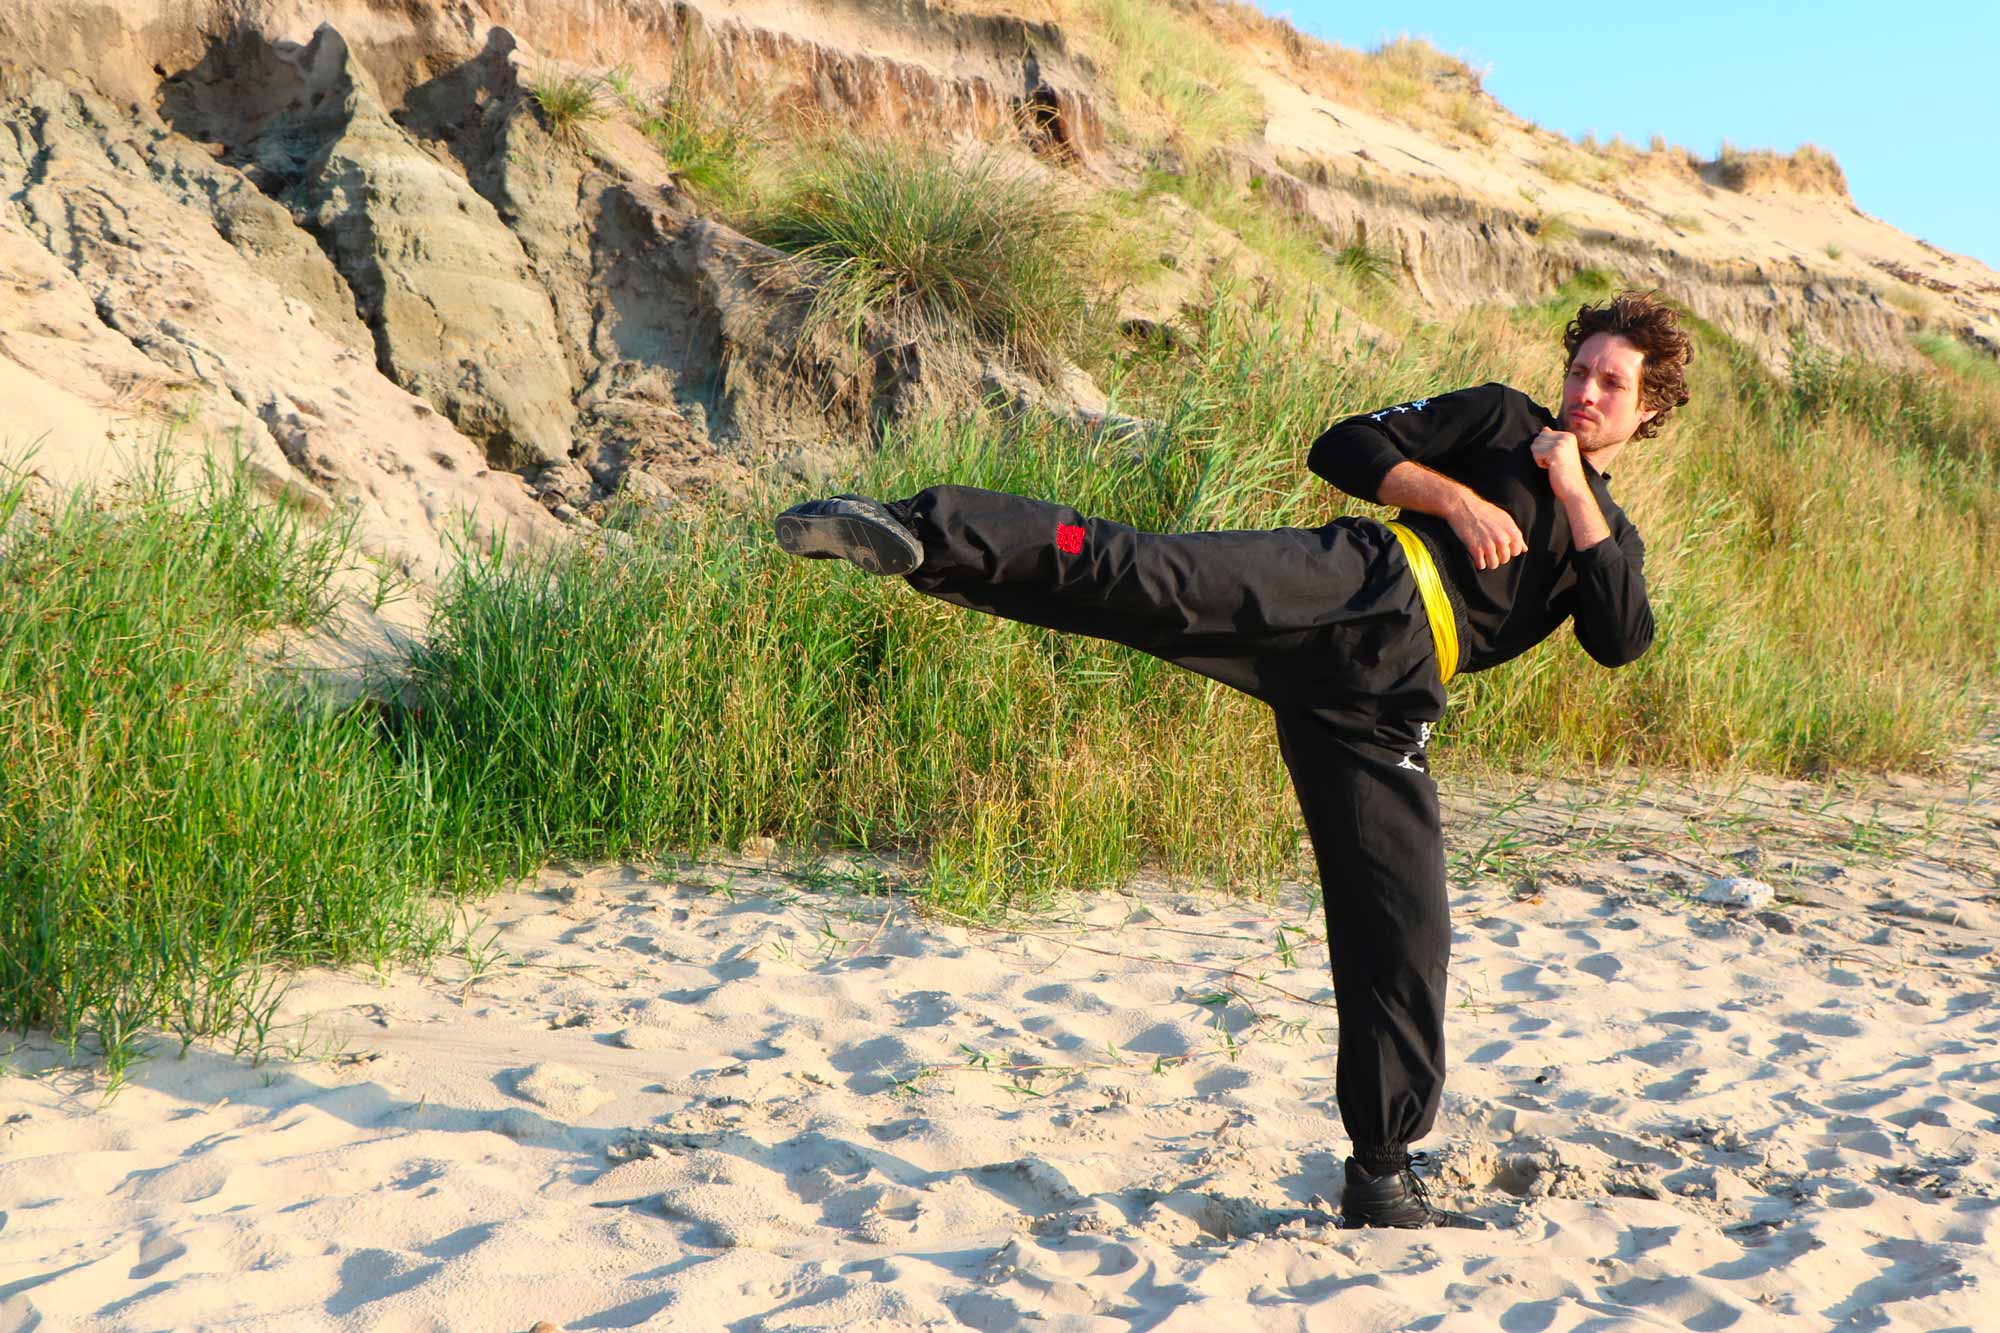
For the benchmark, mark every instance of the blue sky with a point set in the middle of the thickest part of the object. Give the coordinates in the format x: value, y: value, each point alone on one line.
x: 1906, y: 96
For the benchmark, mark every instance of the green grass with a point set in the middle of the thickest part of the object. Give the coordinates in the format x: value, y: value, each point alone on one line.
x: 1365, y: 265
x: 977, y: 248
x: 570, y: 104
x: 1959, y: 358
x: 709, y: 139
x: 1554, y: 228
x: 169, y: 829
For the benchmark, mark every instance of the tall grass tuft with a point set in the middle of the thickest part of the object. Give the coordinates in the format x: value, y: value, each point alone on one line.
x: 705, y: 138
x: 977, y: 247
x: 1366, y: 265
x: 570, y: 104
x: 168, y: 828
x: 710, y: 688
x: 1959, y: 358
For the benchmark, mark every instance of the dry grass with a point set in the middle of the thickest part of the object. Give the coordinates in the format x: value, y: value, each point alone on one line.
x: 1407, y: 78
x: 1172, y: 81
x: 1416, y: 83
x: 1559, y: 166
x: 1909, y: 300
x: 1808, y: 170
x: 1469, y: 116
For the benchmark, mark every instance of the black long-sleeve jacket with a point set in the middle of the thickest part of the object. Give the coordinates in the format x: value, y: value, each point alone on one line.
x: 1480, y: 437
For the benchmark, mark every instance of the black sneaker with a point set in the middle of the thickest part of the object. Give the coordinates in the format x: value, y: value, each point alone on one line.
x: 850, y: 527
x: 1397, y: 1199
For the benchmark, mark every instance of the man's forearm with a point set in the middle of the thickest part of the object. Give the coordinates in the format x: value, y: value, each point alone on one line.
x: 1414, y: 486
x: 1586, y: 521
x: 1488, y: 531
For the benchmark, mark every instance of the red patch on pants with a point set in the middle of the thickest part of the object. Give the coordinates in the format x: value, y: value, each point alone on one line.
x: 1069, y: 539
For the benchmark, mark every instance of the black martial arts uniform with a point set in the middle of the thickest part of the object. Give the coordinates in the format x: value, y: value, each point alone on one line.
x: 1326, y: 625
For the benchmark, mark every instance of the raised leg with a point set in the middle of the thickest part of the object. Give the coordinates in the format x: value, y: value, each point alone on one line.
x: 1234, y: 606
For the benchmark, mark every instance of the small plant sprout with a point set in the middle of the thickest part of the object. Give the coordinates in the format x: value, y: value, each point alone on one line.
x: 482, y: 957
x: 912, y: 1084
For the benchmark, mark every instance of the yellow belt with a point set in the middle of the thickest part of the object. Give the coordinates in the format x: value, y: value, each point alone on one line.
x: 1437, y: 606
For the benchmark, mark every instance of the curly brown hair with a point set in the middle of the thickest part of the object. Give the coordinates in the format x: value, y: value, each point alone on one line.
x: 1649, y: 324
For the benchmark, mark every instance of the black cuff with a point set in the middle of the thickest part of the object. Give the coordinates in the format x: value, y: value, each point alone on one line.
x: 1379, y: 1162
x: 1606, y: 552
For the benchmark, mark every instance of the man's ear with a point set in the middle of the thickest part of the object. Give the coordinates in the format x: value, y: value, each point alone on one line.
x: 1648, y: 415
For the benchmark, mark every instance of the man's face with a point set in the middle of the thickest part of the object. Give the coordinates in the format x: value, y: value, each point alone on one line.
x: 1600, y: 403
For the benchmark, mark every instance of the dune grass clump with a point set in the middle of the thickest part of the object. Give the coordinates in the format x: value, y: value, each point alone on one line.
x: 169, y: 829
x: 1554, y: 228
x: 1808, y: 169
x: 1367, y: 265
x: 1466, y: 114
x: 707, y: 138
x: 973, y: 247
x: 1410, y: 80
x: 570, y: 104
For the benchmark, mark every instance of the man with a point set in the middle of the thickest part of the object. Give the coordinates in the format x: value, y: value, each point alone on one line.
x: 1349, y: 632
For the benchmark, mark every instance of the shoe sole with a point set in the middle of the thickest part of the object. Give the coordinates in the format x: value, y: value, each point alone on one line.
x: 841, y: 537
x: 1466, y: 1224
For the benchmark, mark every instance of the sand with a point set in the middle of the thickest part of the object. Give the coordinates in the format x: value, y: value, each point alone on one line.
x: 729, y: 1094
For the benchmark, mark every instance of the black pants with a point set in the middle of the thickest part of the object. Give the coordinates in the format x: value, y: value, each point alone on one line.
x: 1326, y: 626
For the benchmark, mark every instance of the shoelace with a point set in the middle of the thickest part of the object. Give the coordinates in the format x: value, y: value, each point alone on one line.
x: 1415, y: 1182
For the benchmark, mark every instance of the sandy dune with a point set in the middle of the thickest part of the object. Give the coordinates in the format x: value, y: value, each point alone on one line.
x: 718, y: 1096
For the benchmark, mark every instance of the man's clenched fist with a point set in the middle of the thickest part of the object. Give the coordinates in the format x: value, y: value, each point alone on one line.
x: 1556, y: 451
x: 1488, y: 531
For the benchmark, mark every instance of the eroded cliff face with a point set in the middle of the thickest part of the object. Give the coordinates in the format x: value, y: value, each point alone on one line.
x: 340, y: 238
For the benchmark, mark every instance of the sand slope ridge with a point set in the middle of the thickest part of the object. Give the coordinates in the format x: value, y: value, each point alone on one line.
x: 730, y: 1095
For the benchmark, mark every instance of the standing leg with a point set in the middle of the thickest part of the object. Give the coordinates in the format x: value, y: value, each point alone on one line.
x: 1371, y: 810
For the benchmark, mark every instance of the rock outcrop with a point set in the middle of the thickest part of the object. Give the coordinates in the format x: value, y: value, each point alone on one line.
x: 456, y: 311
x: 155, y: 290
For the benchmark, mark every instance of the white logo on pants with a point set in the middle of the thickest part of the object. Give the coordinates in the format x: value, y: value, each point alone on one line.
x: 1414, y: 762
